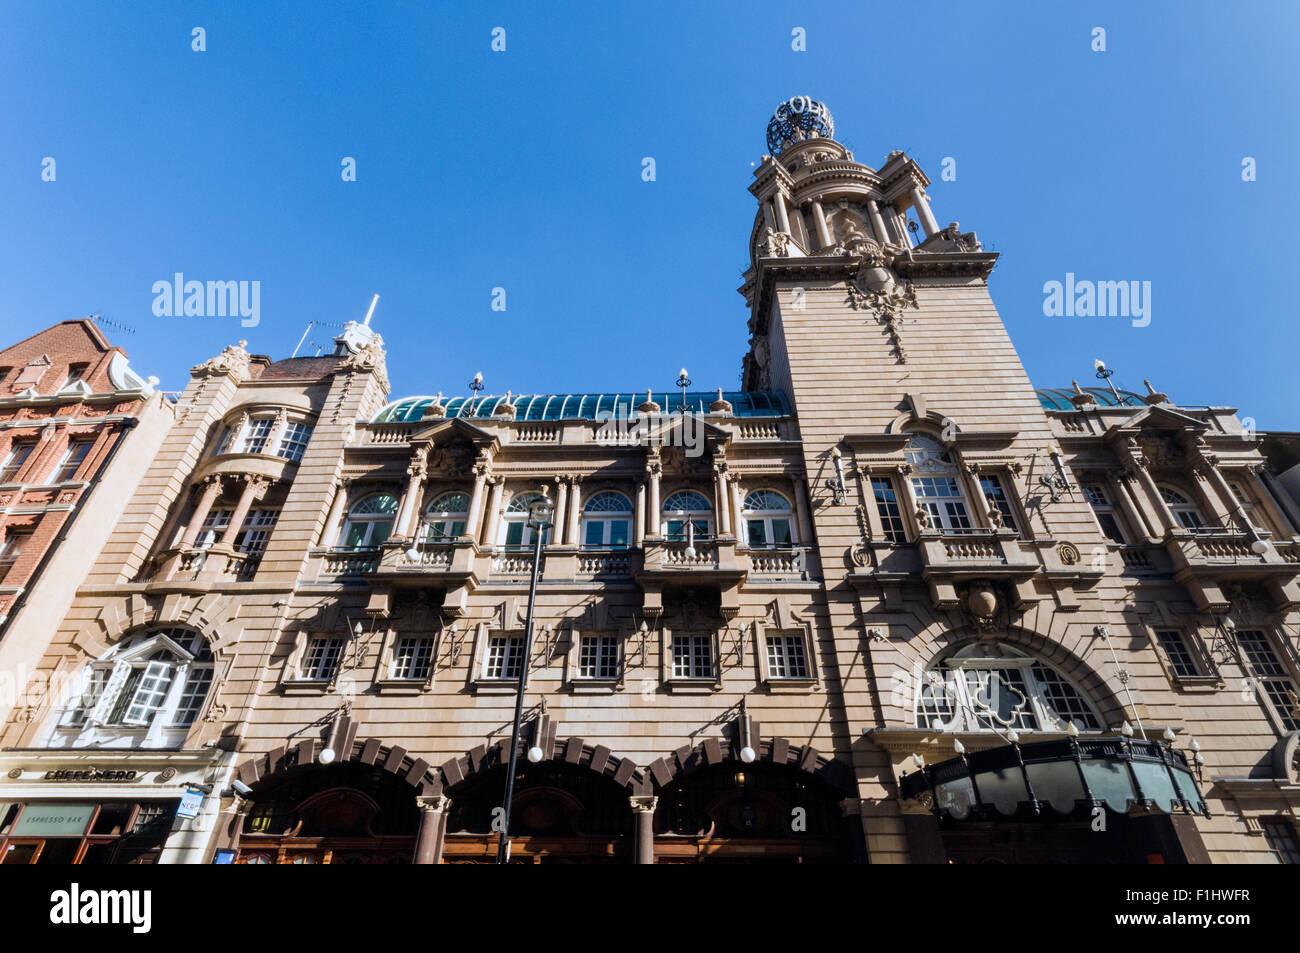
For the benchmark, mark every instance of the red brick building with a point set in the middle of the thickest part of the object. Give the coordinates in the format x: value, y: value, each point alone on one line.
x: 77, y: 429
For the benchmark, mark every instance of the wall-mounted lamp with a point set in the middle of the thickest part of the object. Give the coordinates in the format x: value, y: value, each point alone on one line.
x: 836, y: 483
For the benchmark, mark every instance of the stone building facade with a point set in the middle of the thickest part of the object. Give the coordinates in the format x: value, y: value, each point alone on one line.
x: 888, y: 603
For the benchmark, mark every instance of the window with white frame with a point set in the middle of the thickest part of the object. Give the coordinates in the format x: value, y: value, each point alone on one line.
x: 18, y: 453
x: 11, y: 547
x: 937, y: 485
x: 71, y: 461
x: 692, y: 656
x: 787, y: 656
x: 321, y: 658
x: 446, y: 516
x: 606, y: 521
x: 995, y: 495
x: 891, y: 514
x: 1271, y: 676
x: 412, y: 658
x: 368, y: 522
x: 257, y: 434
x: 256, y: 531
x: 293, y: 441
x: 687, y: 507
x: 504, y: 657
x: 1099, y: 499
x: 75, y: 373
x: 991, y: 686
x: 517, y: 530
x: 214, y: 526
x: 157, y: 681
x: 768, y: 518
x: 598, y: 657
x: 1187, y: 513
x: 1182, y: 660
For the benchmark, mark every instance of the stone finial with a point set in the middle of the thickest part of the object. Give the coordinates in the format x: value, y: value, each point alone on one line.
x: 1081, y: 398
x: 233, y: 361
x: 436, y: 409
x: 1154, y: 396
x: 721, y: 407
x: 649, y: 407
x: 506, y: 410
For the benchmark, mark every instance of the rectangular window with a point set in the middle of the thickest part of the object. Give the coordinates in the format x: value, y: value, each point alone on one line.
x: 256, y: 531
x: 321, y: 659
x: 213, y: 528
x: 1272, y: 675
x: 505, y: 657
x: 1181, y: 660
x: 598, y: 657
x: 257, y: 434
x: 80, y: 708
x: 676, y: 529
x: 996, y: 495
x: 412, y: 658
x: 294, y: 441
x: 71, y: 461
x: 692, y: 656
x: 445, y: 530
x: 786, y: 657
x: 1280, y: 834
x: 941, y: 498
x: 192, y: 695
x: 1102, y: 508
x: 149, y: 693
x: 11, y: 548
x: 18, y: 453
x: 891, y: 514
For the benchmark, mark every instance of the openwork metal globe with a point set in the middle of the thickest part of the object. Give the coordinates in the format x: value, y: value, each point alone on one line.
x: 797, y: 119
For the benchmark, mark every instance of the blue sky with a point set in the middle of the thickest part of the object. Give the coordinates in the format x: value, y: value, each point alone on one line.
x: 522, y: 170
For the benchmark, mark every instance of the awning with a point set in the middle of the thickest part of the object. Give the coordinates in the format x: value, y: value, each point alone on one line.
x: 1069, y: 776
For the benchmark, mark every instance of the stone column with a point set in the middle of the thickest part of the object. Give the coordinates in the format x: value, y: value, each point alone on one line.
x: 638, y: 530
x: 877, y: 223
x: 723, y: 504
x: 409, y: 506
x: 575, y: 510
x: 1279, y: 503
x: 819, y: 219
x: 211, y: 490
x: 476, y: 502
x: 1156, y: 506
x: 801, y: 511
x: 489, y: 536
x: 738, y: 508
x: 923, y: 212
x: 253, y: 487
x: 336, y: 511
x: 912, y: 504
x: 782, y: 217
x: 654, y: 469
x: 1122, y: 494
x: 643, y: 809
x: 433, y: 828
x: 561, y: 498
x: 1219, y: 498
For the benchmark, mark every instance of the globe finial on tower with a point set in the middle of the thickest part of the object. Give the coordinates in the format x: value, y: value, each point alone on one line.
x: 797, y: 119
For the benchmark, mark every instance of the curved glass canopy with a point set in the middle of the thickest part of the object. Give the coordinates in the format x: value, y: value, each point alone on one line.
x: 1058, y: 398
x: 587, y: 406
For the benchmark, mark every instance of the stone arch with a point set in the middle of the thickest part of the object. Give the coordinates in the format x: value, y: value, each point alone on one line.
x: 686, y: 760
x: 457, y: 773
x: 393, y: 759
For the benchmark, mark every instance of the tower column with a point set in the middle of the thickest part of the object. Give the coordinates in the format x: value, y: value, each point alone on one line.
x: 923, y: 212
x: 819, y: 219
x: 877, y: 223
x: 782, y: 217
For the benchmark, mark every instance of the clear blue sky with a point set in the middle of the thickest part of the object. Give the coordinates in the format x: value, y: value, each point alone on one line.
x: 522, y: 170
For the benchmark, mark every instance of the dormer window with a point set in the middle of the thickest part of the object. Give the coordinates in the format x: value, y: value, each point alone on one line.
x: 76, y: 372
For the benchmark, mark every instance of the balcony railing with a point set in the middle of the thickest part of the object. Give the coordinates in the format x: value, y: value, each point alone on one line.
x: 350, y: 562
x: 428, y: 554
x: 778, y: 562
x: 513, y: 562
x: 604, y: 562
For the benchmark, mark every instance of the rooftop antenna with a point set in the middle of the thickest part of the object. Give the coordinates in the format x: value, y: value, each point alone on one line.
x: 100, y: 319
x: 373, y: 301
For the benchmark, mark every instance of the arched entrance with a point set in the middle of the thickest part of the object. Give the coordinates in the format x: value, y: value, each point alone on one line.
x: 331, y: 814
x: 761, y: 812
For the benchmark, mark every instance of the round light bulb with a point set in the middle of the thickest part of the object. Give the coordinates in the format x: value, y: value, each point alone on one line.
x: 683, y: 373
x: 1072, y: 730
x: 957, y: 746
x: 413, y: 554
x: 327, y: 756
x: 1013, y: 736
x: 1126, y: 730
x: 747, y: 754
x: 1194, y: 745
x: 1168, y: 734
x: 1259, y: 547
x: 1099, y: 364
x: 534, y: 754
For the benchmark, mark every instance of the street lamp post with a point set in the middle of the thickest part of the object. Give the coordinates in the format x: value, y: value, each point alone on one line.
x: 539, y: 518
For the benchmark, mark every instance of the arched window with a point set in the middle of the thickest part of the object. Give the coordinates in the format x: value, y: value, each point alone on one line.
x: 937, y: 485
x: 767, y: 519
x: 1187, y: 513
x: 687, y: 506
x: 605, y: 521
x: 369, y: 522
x: 445, y: 517
x: 150, y: 688
x: 991, y: 686
x: 515, y: 530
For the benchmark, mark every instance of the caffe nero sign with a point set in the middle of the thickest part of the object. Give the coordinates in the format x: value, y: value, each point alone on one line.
x: 90, y: 774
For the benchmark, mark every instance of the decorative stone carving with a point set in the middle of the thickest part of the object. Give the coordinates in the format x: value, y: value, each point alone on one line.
x: 1068, y: 553
x: 875, y: 287
x: 922, y: 517
x: 960, y: 241
x: 994, y: 514
x: 233, y: 362
x: 506, y: 410
x: 721, y: 407
x: 776, y: 244
x: 436, y: 409
x: 369, y: 359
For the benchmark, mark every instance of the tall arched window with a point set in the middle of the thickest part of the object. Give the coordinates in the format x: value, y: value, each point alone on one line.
x: 445, y: 517
x: 369, y: 522
x: 767, y: 519
x: 515, y: 530
x: 1187, y: 513
x: 937, y: 485
x: 606, y: 518
x: 145, y: 692
x: 992, y: 686
x: 687, y: 506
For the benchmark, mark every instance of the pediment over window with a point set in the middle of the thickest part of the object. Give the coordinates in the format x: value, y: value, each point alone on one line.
x: 1158, y: 418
